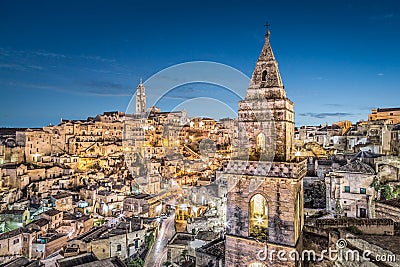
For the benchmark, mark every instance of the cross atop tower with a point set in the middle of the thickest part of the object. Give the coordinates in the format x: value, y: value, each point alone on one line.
x: 267, y: 28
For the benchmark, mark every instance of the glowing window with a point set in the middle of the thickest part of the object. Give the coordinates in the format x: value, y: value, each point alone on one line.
x: 261, y: 142
x: 258, y: 217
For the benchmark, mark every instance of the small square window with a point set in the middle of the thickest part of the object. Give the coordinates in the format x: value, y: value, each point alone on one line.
x: 347, y: 189
x: 363, y: 191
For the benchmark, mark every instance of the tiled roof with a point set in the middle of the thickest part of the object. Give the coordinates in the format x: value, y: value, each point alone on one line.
x: 61, y: 195
x: 77, y: 260
x: 14, y: 212
x: 41, y: 222
x: 111, y: 262
x: 357, y: 167
x: 52, y: 212
x: 215, y: 248
x: 12, y: 233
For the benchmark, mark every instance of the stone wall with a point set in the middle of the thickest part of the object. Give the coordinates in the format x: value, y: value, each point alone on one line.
x: 314, y: 193
x: 375, y: 250
x: 367, y: 226
x: 386, y: 211
x: 242, y: 252
x: 281, y: 195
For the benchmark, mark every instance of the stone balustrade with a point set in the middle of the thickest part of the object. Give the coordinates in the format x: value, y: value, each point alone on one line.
x: 270, y: 169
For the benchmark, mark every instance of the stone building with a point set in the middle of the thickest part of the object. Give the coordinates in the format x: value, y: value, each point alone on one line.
x: 391, y: 115
x: 388, y: 176
x: 182, y: 249
x: 125, y: 240
x: 47, y: 244
x: 265, y: 199
x: 11, y: 242
x: 211, y: 254
x: 11, y: 151
x: 14, y: 176
x: 54, y: 216
x: 108, y: 203
x: 89, y: 260
x: 62, y: 201
x: 349, y: 191
x: 75, y: 137
x: 143, y: 205
x: 12, y: 219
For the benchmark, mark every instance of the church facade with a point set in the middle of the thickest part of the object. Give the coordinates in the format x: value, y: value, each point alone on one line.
x: 265, y: 213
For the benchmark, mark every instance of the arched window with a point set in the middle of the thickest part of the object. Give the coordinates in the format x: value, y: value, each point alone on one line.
x: 264, y: 76
x: 261, y: 142
x: 258, y: 217
x: 256, y: 264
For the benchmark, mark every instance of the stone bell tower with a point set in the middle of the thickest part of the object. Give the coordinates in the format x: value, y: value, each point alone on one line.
x: 266, y: 110
x: 140, y: 98
x: 265, y: 198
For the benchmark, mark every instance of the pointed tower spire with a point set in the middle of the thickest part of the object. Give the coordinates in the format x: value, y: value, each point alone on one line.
x: 266, y: 73
x: 266, y: 97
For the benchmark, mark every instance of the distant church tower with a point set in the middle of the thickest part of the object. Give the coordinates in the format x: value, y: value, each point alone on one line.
x: 140, y: 98
x: 265, y: 200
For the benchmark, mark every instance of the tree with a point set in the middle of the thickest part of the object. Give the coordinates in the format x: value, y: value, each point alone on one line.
x: 149, y: 239
x: 338, y: 209
x: 184, y: 255
x: 138, y: 262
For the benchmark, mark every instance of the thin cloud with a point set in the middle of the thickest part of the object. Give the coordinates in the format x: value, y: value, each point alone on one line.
x: 325, y: 115
x: 11, y: 53
x: 177, y: 97
x: 12, y: 66
x: 95, y: 91
x: 381, y: 17
x: 19, y: 67
x: 380, y: 74
x: 106, y: 88
x: 335, y: 105
x: 37, y: 86
x: 98, y: 58
x: 47, y: 54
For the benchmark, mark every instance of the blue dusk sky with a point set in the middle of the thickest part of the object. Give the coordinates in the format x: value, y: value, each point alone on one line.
x: 74, y: 59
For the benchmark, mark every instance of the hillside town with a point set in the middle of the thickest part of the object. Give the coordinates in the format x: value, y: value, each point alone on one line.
x: 159, y: 188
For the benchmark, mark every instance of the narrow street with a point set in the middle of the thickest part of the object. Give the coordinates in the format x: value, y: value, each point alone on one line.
x: 158, y: 254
